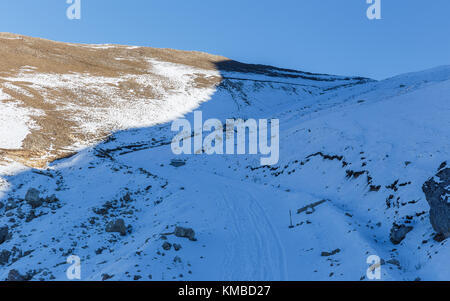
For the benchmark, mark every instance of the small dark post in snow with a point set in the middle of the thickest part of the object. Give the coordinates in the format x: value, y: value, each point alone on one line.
x: 290, y: 217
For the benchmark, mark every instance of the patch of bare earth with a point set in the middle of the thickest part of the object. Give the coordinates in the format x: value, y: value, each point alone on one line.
x: 32, y: 71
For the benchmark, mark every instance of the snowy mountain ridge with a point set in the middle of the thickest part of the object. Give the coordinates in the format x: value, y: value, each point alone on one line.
x: 354, y: 155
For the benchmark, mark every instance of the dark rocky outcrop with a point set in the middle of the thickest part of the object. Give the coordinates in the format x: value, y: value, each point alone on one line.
x: 437, y: 192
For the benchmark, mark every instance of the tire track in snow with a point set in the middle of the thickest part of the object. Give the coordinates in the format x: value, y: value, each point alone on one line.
x: 255, y: 252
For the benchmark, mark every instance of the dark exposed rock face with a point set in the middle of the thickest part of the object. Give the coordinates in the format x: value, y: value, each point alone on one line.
x: 437, y: 192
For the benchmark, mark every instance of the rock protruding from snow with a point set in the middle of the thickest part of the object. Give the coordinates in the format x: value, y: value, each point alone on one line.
x: 4, y: 257
x: 10, y: 205
x: 327, y: 254
x: 51, y: 199
x: 177, y: 163
x: 167, y: 246
x: 117, y: 226
x: 437, y: 192
x: 185, y: 232
x: 32, y: 198
x: 14, y: 275
x: 4, y: 232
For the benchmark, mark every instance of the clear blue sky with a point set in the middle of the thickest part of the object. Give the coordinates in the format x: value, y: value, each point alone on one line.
x: 329, y: 36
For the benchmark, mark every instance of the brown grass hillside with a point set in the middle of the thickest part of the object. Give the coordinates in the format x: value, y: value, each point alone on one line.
x: 118, y: 70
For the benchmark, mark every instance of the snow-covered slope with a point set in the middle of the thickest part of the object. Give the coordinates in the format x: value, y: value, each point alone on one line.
x: 363, y: 147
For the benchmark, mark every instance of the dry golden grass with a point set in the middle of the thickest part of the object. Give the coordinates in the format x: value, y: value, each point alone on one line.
x: 55, y: 131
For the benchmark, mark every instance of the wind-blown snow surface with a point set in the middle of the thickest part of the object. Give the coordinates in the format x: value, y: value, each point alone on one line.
x: 388, y: 131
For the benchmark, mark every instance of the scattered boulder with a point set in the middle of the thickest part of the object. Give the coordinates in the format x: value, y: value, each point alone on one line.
x: 32, y: 198
x: 439, y: 237
x: 185, y: 232
x: 437, y: 192
x: 177, y: 247
x: 100, y: 250
x: 1, y: 205
x: 334, y: 252
x: 127, y: 198
x: 31, y: 216
x: 394, y: 262
x: 4, y: 232
x: 51, y: 199
x: 117, y: 226
x: 4, y: 257
x: 177, y: 163
x: 14, y: 275
x: 167, y: 246
x: 10, y: 205
x: 398, y: 233
x: 106, y: 277
x: 100, y: 211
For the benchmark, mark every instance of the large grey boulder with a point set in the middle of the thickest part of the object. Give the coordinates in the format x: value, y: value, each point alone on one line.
x: 32, y: 198
x: 437, y: 192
